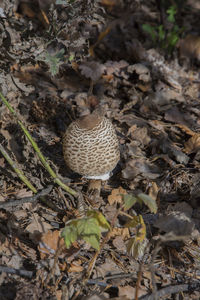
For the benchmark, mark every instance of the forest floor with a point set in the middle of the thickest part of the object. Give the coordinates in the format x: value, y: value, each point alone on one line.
x: 59, y: 60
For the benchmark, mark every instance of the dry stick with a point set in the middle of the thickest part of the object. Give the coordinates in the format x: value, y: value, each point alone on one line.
x: 36, y: 148
x: 17, y: 170
x: 139, y: 278
x: 167, y: 291
x: 19, y: 272
x: 99, y: 281
x: 42, y: 193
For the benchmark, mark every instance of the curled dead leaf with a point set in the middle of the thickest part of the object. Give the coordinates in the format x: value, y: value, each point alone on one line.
x: 193, y: 144
x: 185, y: 129
x: 142, y: 71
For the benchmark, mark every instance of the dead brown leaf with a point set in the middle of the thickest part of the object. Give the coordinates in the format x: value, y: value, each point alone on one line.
x: 167, y: 146
x: 49, y: 243
x: 119, y: 244
x: 76, y: 267
x: 129, y: 291
x: 116, y: 196
x: 193, y: 144
x: 138, y: 166
x: 92, y: 70
x: 109, y: 267
x: 178, y: 117
x: 124, y: 232
x: 141, y: 70
x: 177, y: 220
x: 185, y: 129
x: 59, y: 294
x: 139, y: 134
x: 34, y: 10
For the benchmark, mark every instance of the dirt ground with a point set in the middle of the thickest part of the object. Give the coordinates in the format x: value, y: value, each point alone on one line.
x: 62, y: 59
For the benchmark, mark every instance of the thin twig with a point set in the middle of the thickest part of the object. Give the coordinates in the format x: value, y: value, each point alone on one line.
x: 167, y: 291
x: 19, y: 272
x: 36, y: 148
x: 99, y: 280
x: 44, y: 192
x: 17, y: 170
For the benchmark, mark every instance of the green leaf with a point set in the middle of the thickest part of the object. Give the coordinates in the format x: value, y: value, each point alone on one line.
x: 172, y: 38
x: 147, y: 200
x: 90, y: 231
x: 71, y: 57
x: 93, y: 240
x: 161, y: 33
x: 53, y: 61
x: 171, y: 13
x: 151, y: 30
x: 88, y: 226
x: 136, y: 248
x: 70, y: 235
x: 134, y: 222
x: 136, y: 245
x: 102, y: 222
x: 129, y: 201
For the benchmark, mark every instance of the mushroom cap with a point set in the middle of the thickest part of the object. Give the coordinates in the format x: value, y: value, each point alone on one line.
x: 91, y: 147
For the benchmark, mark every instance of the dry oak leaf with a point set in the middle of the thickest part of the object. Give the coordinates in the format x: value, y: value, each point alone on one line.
x: 116, y: 195
x: 193, y: 144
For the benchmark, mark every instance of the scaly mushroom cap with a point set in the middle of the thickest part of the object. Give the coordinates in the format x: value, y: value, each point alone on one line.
x: 91, y: 147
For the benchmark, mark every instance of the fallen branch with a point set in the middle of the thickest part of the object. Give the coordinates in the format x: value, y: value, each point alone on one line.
x: 19, y: 272
x: 172, y: 289
x: 42, y: 193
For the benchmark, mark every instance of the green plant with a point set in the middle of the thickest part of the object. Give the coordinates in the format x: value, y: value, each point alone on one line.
x: 90, y: 227
x: 162, y: 37
x: 53, y: 61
